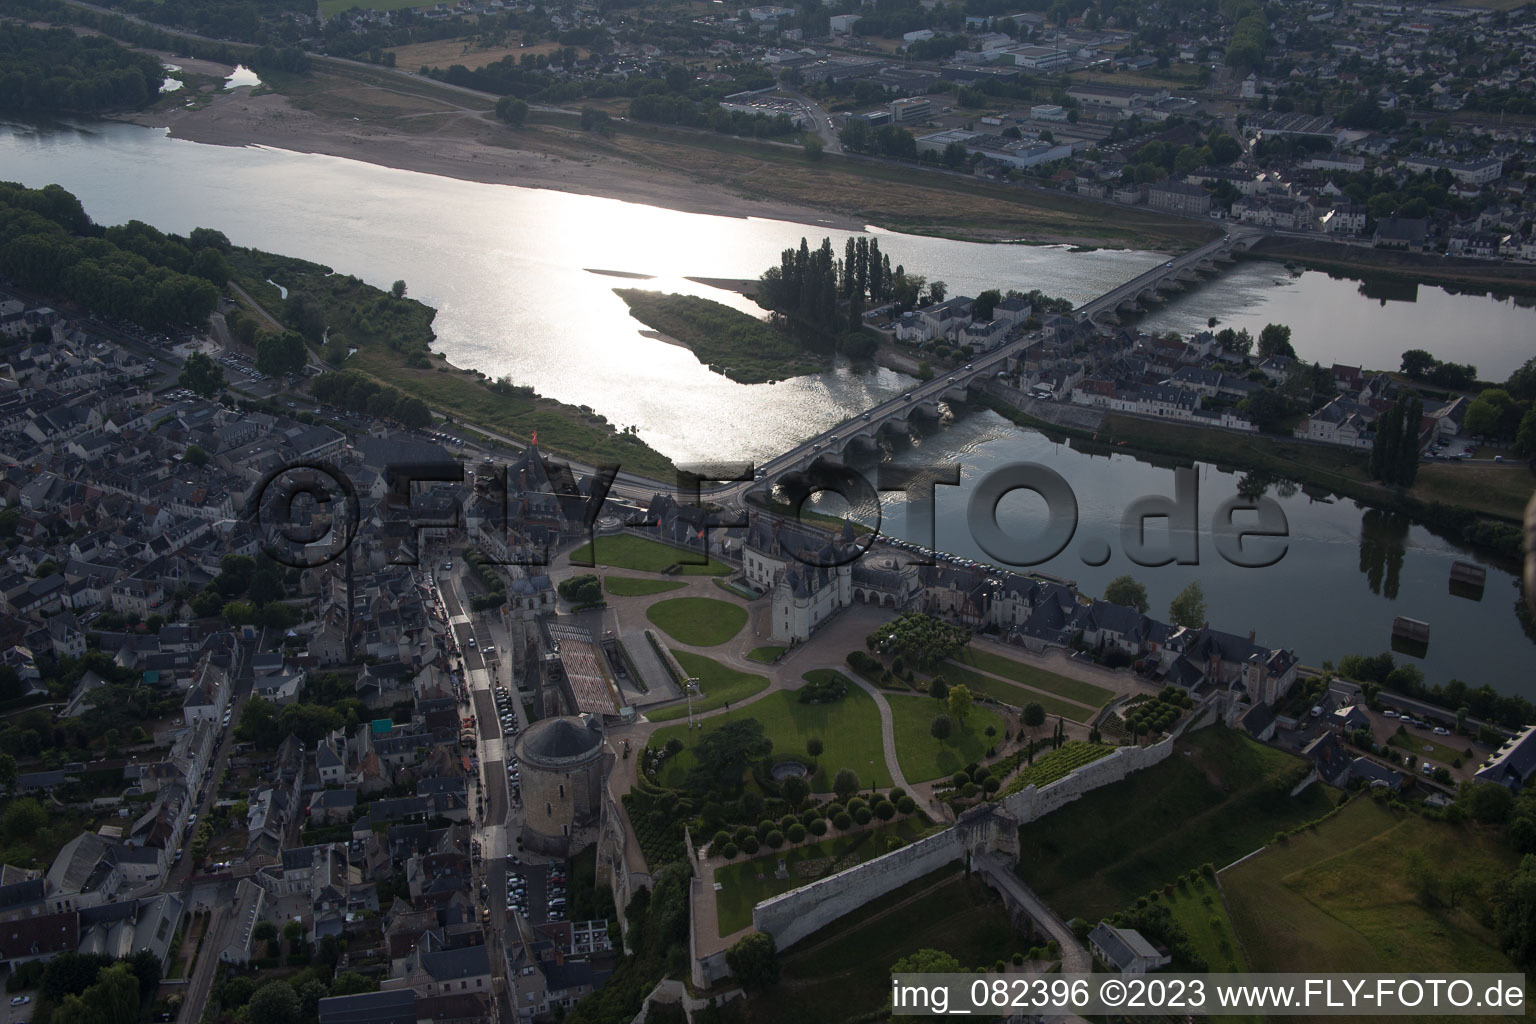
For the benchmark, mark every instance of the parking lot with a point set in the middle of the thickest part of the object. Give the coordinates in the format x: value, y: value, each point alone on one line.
x: 535, y: 891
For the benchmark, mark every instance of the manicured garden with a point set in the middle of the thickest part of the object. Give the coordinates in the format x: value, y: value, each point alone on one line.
x: 1058, y: 764
x: 1037, y: 678
x: 635, y: 586
x: 626, y: 551
x: 719, y: 683
x: 1012, y: 693
x: 1225, y: 799
x: 923, y: 757
x: 1343, y: 893
x: 849, y: 730
x: 698, y: 621
x: 747, y: 883
x: 765, y: 655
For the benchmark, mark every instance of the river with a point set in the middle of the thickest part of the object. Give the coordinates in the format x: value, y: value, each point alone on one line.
x: 1346, y: 573
x: 510, y: 271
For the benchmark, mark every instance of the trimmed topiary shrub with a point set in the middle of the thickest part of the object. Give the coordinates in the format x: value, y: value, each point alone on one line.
x: 842, y: 820
x: 774, y: 839
x: 818, y: 826
x: 721, y: 838
x: 959, y: 779
x: 749, y: 845
x: 885, y: 810
x: 895, y: 795
x: 906, y: 805
x: 729, y: 851
x: 740, y: 835
x: 862, y: 815
x: 795, y: 833
x: 969, y: 790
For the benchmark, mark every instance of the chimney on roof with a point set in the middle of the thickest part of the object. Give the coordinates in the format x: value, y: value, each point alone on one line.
x: 1251, y: 635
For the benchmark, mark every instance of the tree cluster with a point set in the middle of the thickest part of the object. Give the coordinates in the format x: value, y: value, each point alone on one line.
x: 55, y: 71
x: 1420, y: 365
x: 920, y: 638
x: 357, y: 393
x: 1395, y: 448
x: 132, y: 272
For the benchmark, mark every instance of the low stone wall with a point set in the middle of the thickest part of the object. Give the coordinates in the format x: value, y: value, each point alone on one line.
x: 1033, y: 802
x: 793, y: 915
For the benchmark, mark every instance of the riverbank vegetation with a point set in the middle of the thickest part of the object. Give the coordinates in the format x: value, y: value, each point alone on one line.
x: 377, y: 335
x: 726, y: 340
x: 131, y: 272
x: 54, y: 71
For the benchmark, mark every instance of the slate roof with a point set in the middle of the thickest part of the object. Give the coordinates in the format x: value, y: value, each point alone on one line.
x: 395, y: 1006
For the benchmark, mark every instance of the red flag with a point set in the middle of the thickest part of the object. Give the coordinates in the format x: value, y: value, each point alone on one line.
x: 535, y: 437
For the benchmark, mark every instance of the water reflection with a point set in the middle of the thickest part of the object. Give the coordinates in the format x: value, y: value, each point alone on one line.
x: 1383, y: 545
x: 1389, y: 290
x: 240, y: 77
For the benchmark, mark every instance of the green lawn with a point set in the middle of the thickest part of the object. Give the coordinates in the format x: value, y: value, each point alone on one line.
x: 634, y: 586
x: 1200, y: 909
x: 720, y: 684
x: 1012, y: 693
x: 924, y: 758
x: 1224, y: 799
x: 849, y: 730
x: 1428, y: 750
x: 841, y: 972
x: 626, y: 551
x: 330, y: 8
x: 698, y: 621
x: 1337, y: 894
x: 766, y: 655
x: 1038, y: 678
x: 747, y: 883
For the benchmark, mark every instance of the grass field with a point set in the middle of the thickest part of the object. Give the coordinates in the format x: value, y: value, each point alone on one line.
x: 626, y: 551
x: 1011, y: 693
x: 721, y: 685
x: 1201, y: 911
x: 1223, y: 800
x: 1427, y: 750
x: 444, y: 53
x: 924, y: 758
x: 698, y: 621
x: 765, y: 655
x: 841, y: 971
x: 1036, y: 678
x: 849, y: 730
x: 634, y: 586
x: 748, y: 883
x: 1337, y: 894
x: 332, y: 7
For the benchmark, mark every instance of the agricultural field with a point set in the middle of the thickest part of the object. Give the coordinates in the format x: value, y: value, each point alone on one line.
x: 924, y: 758
x: 719, y: 683
x: 443, y: 53
x: 849, y: 730
x: 1340, y: 893
x: 1228, y: 796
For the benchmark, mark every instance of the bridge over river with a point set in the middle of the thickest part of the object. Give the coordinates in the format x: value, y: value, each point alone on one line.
x: 835, y: 446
